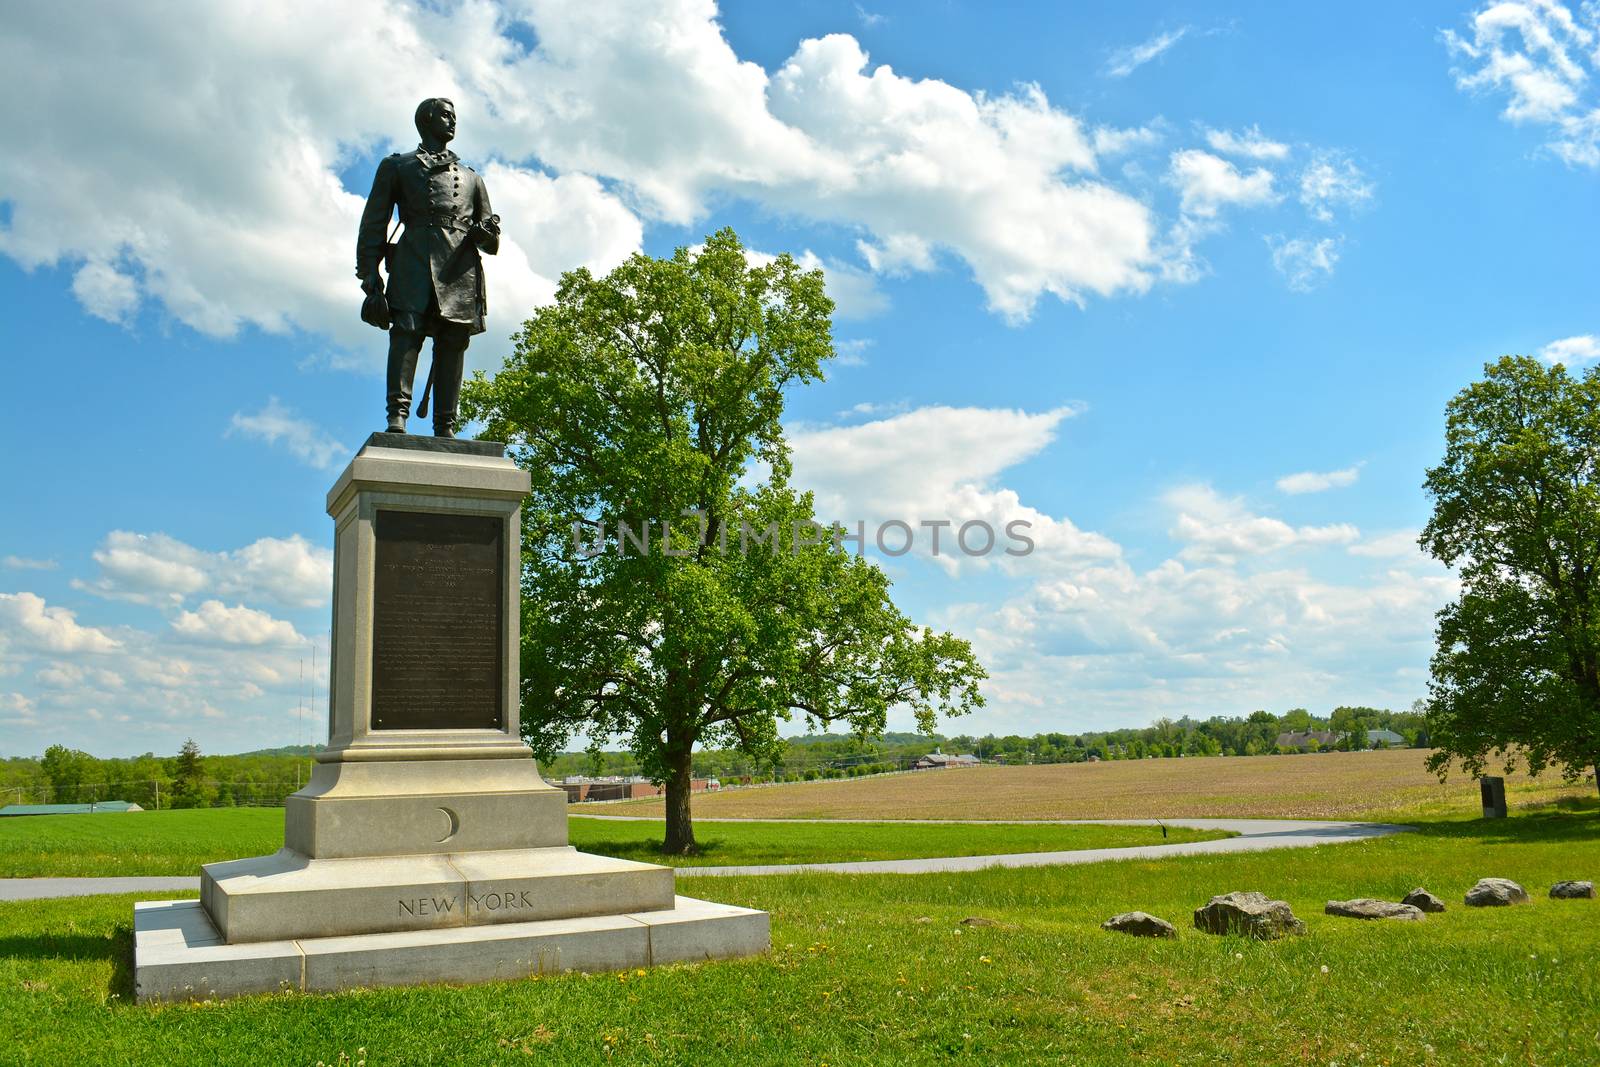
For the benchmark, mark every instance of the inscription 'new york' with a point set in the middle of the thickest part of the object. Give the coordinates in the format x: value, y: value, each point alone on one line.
x: 472, y: 903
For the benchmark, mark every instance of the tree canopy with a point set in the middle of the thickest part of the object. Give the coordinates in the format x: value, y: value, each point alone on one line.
x: 677, y: 591
x: 1517, y: 513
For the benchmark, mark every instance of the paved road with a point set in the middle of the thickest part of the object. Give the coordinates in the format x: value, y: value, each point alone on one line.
x: 1255, y: 835
x: 38, y: 888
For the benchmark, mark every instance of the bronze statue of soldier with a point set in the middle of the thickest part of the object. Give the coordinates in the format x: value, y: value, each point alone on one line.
x: 435, y: 286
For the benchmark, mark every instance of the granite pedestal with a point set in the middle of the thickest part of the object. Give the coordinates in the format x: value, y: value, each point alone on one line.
x: 426, y: 847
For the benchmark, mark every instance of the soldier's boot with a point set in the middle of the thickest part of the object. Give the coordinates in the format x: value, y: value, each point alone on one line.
x: 449, y: 360
x: 403, y: 349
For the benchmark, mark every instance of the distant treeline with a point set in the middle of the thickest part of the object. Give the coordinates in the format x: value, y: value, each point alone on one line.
x: 836, y: 756
x: 190, y: 779
x: 182, y: 780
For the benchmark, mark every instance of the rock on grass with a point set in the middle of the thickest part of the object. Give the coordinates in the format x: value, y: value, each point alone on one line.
x: 1367, y: 908
x: 1496, y: 893
x: 1422, y: 900
x: 1572, y: 891
x: 1139, y: 924
x: 1247, y: 915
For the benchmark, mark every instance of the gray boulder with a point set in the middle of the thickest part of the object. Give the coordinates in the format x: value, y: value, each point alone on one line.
x: 1422, y: 900
x: 1496, y: 893
x: 1139, y: 924
x: 1247, y: 915
x: 1367, y: 908
x: 1572, y: 891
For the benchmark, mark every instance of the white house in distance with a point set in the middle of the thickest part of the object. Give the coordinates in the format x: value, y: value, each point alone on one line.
x: 935, y: 761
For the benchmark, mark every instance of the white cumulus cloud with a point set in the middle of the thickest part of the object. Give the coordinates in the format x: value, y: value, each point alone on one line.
x: 1319, y: 481
x: 34, y: 624
x: 939, y: 464
x: 1573, y: 351
x: 1213, y: 526
x: 25, y: 563
x: 1124, y: 61
x: 1333, y: 181
x: 1396, y: 544
x: 104, y: 291
x: 276, y: 424
x: 1207, y: 183
x: 1304, y: 262
x: 215, y: 622
x: 1251, y: 142
x: 1543, y: 56
x: 619, y: 115
x: 162, y: 570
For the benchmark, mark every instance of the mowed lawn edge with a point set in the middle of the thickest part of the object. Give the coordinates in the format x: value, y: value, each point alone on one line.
x: 1371, y: 786
x: 178, y: 842
x: 868, y: 969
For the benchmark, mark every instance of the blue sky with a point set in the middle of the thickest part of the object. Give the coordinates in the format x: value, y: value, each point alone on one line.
x: 1186, y: 288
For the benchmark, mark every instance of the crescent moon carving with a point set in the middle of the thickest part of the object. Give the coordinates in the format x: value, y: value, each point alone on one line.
x: 455, y: 824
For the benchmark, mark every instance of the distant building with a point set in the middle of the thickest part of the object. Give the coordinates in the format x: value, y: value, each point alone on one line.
x: 1301, y: 739
x: 99, y: 807
x: 939, y: 761
x: 616, y: 787
x: 1386, y: 737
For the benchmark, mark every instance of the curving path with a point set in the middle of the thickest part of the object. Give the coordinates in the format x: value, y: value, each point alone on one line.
x: 1254, y: 835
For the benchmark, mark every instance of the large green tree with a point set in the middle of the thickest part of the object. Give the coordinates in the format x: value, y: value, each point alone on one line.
x: 188, y: 778
x: 652, y: 397
x: 1517, y: 512
x: 64, y: 768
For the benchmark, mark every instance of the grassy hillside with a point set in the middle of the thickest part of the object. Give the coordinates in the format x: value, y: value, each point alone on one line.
x: 879, y: 969
x: 1335, y: 785
x: 178, y: 842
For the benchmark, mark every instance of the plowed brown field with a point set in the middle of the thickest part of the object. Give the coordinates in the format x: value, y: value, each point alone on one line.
x: 1342, y: 785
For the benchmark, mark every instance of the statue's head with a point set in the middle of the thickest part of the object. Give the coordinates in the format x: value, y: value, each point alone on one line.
x: 436, y: 119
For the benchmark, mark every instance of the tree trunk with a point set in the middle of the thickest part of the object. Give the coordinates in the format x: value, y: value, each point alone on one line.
x: 680, y: 830
x: 1597, y: 774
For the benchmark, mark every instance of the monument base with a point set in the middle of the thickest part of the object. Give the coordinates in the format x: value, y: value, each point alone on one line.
x: 287, y: 895
x: 358, y: 804
x: 426, y: 847
x: 180, y: 955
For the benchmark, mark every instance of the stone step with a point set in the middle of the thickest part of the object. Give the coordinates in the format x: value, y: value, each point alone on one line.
x: 291, y: 896
x: 180, y: 955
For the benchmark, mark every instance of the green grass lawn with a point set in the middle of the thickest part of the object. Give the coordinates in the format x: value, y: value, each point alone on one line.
x: 178, y: 842
x: 879, y: 970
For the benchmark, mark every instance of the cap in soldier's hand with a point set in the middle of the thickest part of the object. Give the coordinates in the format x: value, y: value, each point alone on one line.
x: 375, y: 310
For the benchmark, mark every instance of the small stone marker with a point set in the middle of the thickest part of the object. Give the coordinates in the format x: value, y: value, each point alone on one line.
x: 1422, y: 900
x: 1493, y: 791
x: 978, y: 920
x: 1572, y: 891
x: 1247, y: 915
x: 1367, y: 908
x: 1496, y: 893
x: 1139, y: 924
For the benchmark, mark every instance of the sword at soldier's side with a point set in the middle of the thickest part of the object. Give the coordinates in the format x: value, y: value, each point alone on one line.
x: 427, y: 387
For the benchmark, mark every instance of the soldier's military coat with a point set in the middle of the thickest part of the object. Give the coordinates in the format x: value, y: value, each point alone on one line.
x: 436, y: 260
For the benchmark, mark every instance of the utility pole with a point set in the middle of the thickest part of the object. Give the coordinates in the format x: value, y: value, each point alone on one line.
x: 157, y: 783
x: 300, y: 725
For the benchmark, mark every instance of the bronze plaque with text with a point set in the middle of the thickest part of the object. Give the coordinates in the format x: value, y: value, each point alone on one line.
x: 437, y: 626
